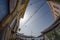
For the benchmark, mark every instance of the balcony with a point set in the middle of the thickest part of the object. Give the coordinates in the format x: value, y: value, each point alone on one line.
x: 54, y: 0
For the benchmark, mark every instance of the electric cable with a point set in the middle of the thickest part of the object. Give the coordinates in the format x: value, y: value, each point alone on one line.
x: 34, y: 13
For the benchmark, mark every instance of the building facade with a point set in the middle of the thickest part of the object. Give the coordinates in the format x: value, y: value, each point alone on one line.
x: 9, y: 23
x: 55, y: 7
x: 53, y: 32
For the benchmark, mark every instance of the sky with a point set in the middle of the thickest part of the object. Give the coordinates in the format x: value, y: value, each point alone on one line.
x: 40, y: 21
x: 3, y: 7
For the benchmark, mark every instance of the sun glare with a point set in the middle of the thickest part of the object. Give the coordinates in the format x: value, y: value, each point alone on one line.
x: 24, y: 19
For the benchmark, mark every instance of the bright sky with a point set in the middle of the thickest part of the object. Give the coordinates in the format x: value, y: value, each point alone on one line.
x: 40, y: 21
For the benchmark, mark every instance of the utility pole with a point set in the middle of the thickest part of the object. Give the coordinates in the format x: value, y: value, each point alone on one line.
x: 31, y: 34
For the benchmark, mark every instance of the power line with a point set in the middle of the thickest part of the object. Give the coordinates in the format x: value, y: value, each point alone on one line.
x: 35, y: 13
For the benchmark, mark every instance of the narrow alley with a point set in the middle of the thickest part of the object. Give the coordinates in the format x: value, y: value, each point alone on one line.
x: 29, y: 19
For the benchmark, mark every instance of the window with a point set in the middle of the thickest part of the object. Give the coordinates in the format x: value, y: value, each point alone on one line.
x: 56, y: 7
x: 22, y: 1
x: 57, y: 13
x: 12, y: 25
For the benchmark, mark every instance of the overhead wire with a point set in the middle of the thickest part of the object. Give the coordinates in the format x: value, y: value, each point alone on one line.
x: 34, y: 13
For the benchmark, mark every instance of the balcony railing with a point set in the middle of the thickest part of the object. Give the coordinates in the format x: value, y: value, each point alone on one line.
x: 54, y: 0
